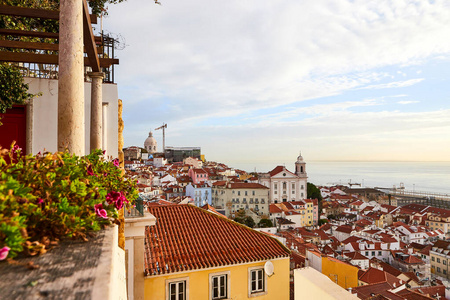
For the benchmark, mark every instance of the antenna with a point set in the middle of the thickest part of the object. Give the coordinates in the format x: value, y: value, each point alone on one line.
x: 268, y: 268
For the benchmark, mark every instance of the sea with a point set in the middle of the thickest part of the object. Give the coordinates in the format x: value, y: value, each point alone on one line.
x: 430, y: 177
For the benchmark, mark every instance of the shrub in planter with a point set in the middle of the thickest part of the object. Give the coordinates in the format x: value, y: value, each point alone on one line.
x: 50, y: 196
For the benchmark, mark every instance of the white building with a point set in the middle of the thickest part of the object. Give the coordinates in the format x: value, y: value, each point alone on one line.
x: 284, y: 185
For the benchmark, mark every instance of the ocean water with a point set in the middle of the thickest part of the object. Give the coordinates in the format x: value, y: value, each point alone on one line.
x: 416, y: 176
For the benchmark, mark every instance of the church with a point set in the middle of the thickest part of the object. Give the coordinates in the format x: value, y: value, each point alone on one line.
x: 284, y: 185
x: 150, y: 144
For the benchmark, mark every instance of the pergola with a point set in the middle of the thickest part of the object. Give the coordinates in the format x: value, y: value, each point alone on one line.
x: 75, y: 39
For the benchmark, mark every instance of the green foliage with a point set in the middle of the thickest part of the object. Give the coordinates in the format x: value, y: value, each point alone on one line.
x: 264, y: 223
x: 47, y: 197
x: 313, y: 192
x: 247, y: 221
x: 323, y: 221
x: 12, y: 88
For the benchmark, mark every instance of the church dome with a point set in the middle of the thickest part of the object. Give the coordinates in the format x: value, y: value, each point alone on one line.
x: 300, y: 158
x: 150, y: 143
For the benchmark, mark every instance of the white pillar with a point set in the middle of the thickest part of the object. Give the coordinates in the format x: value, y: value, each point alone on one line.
x: 96, y: 110
x: 71, y: 122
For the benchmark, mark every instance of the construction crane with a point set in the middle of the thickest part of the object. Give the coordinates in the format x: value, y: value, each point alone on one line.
x: 163, y: 127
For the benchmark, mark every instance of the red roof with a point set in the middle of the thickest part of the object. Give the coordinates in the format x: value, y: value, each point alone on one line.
x: 186, y: 237
x: 277, y: 170
x: 373, y: 275
x: 273, y: 209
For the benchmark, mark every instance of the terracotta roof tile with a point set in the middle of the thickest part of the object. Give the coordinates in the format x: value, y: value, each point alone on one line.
x: 186, y: 237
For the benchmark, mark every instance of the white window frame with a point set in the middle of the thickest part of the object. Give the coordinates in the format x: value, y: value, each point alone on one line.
x: 173, y: 280
x: 218, y: 274
x: 264, y: 276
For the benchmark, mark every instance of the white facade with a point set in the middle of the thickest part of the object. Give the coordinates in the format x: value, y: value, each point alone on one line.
x: 43, y: 116
x: 284, y: 185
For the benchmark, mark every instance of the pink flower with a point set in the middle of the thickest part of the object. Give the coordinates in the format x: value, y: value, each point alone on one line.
x: 89, y: 170
x: 4, y: 252
x: 101, y: 213
x: 112, y: 197
x: 105, y: 174
x: 120, y: 201
x: 104, y: 151
x: 40, y: 201
x: 17, y: 148
x: 116, y: 162
x: 98, y: 206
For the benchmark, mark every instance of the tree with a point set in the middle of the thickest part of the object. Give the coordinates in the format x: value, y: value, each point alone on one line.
x: 246, y: 220
x: 314, y: 193
x: 12, y: 88
x: 264, y: 223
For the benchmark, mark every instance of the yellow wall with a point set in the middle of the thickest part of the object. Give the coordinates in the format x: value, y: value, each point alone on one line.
x: 198, y: 286
x: 347, y: 275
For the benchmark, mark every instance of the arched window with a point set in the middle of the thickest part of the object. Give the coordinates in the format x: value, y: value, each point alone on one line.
x: 284, y: 185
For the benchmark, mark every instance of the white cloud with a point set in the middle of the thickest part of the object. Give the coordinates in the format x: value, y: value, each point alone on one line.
x: 396, y: 84
x: 407, y: 102
x: 190, y: 61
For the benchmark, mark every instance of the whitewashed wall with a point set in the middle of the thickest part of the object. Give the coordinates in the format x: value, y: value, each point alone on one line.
x: 44, y: 118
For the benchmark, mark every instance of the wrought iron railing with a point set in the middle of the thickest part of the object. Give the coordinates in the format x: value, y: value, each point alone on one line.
x: 137, y: 210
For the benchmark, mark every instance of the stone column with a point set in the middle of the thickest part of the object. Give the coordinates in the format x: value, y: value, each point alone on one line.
x: 96, y: 110
x: 71, y: 121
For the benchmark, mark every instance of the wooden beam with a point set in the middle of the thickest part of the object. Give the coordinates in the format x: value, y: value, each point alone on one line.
x: 35, y: 13
x: 39, y: 34
x: 29, y: 45
x: 48, y: 59
x: 89, y: 41
x: 33, y: 45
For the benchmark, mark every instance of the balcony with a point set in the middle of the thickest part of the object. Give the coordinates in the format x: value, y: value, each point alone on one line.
x: 137, y: 211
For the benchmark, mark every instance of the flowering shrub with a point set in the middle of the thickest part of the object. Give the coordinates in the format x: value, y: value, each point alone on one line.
x: 50, y: 196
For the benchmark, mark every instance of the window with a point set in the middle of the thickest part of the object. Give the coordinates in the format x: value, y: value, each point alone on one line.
x: 379, y: 253
x: 432, y: 258
x: 438, y: 260
x: 293, y: 186
x: 444, y: 261
x: 239, y: 193
x: 444, y: 271
x: 245, y: 193
x: 373, y: 253
x: 439, y: 270
x: 177, y: 289
x: 367, y: 253
x: 256, y: 281
x: 219, y: 285
x: 253, y: 193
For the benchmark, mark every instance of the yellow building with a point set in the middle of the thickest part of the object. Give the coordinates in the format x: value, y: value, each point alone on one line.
x: 345, y: 275
x: 194, y: 254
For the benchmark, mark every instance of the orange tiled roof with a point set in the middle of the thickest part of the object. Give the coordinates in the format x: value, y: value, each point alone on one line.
x: 186, y: 237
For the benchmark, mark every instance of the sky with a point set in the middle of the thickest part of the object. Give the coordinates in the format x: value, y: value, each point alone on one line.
x: 256, y: 81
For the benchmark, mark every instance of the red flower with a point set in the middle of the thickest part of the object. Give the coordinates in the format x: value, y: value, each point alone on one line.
x: 89, y: 170
x: 116, y: 162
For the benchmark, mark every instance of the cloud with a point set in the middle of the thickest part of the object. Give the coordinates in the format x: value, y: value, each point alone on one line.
x: 397, y: 84
x: 407, y: 102
x: 256, y: 64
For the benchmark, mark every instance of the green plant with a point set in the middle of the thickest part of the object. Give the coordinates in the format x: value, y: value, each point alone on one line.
x: 264, y: 223
x: 50, y: 196
x: 12, y: 88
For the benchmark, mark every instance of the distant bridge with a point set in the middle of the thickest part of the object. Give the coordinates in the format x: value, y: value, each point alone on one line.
x: 405, y: 197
